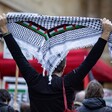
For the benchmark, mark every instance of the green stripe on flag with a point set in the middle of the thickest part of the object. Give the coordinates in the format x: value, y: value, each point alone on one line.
x: 19, y: 91
x: 77, y: 26
x: 61, y: 31
x: 34, y: 29
x: 70, y: 28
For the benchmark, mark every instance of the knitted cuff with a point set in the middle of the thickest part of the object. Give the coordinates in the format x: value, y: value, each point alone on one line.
x: 5, y: 34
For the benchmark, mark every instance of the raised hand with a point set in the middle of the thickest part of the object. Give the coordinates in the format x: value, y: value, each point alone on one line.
x: 107, y: 28
x: 3, y: 22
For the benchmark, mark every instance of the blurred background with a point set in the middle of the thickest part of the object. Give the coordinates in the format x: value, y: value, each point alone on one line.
x: 87, y: 8
x: 91, y: 8
x: 84, y: 8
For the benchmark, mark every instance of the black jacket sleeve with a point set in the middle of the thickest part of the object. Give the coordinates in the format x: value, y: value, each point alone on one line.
x: 77, y: 75
x: 28, y: 72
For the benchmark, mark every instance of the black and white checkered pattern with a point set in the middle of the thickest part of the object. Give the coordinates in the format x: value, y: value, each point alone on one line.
x: 52, y: 21
x: 49, y: 53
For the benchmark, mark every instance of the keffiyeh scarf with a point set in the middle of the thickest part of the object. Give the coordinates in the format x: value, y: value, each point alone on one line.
x: 49, y: 38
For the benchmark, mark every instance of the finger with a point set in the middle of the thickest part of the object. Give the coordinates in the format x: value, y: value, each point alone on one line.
x: 104, y: 18
x: 101, y: 20
x: 0, y: 16
x: 4, y: 15
x: 108, y: 22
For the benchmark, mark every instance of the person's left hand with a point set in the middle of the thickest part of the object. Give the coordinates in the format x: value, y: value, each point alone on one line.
x: 3, y: 22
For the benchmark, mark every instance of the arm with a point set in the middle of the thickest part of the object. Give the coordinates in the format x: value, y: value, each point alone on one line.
x: 26, y: 69
x: 77, y: 75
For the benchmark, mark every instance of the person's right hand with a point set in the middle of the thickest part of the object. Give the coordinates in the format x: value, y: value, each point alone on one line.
x: 3, y: 22
x: 107, y: 28
x: 107, y: 25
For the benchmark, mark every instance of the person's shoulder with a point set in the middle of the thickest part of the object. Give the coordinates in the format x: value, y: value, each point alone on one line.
x: 108, y: 109
x: 6, y: 108
x: 10, y: 109
x: 81, y: 108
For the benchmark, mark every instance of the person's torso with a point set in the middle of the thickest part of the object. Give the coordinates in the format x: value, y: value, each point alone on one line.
x: 49, y: 98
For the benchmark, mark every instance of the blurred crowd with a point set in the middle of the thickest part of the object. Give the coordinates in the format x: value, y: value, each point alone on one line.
x: 94, y: 97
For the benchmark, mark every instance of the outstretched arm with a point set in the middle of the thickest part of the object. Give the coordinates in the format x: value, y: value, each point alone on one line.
x: 28, y: 72
x: 77, y: 75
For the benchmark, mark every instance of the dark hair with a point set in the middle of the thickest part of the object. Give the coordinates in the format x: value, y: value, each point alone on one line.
x: 94, y: 89
x: 4, y: 95
x: 61, y: 66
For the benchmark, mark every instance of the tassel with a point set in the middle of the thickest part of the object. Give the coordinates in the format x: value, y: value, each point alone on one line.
x: 43, y: 72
